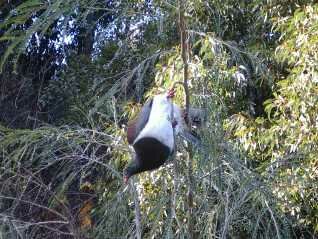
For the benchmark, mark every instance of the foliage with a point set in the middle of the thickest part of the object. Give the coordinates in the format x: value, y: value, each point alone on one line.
x: 39, y: 168
x: 286, y: 140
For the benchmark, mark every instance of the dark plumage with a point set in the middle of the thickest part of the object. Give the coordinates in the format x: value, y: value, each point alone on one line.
x: 150, y: 154
x: 136, y: 126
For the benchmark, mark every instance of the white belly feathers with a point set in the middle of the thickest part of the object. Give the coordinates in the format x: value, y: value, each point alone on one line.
x: 159, y: 124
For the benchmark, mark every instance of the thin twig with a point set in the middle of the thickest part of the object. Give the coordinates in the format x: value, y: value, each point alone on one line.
x: 36, y: 205
x: 274, y: 220
x: 137, y: 209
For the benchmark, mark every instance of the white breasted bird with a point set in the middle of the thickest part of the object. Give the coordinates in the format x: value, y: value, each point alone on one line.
x: 151, y: 134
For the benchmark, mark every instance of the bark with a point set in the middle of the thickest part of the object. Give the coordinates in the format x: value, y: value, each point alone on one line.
x: 137, y: 209
x: 185, y: 56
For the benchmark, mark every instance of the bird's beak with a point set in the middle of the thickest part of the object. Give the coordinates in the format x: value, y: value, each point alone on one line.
x: 171, y: 93
x: 125, y: 179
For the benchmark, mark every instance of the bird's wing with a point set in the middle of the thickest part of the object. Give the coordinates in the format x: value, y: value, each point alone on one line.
x: 182, y: 129
x: 136, y: 125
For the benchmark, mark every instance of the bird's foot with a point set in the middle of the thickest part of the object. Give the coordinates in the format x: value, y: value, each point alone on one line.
x: 171, y: 93
x: 174, y: 123
x: 184, y: 114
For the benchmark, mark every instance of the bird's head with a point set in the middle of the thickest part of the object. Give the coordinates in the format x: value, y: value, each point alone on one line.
x: 131, y: 170
x: 126, y: 175
x: 125, y: 179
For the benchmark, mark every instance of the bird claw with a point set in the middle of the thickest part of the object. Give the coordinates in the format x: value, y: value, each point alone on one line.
x: 171, y: 93
x: 174, y: 123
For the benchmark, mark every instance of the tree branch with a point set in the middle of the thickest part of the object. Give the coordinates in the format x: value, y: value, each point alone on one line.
x: 185, y: 56
x: 137, y: 209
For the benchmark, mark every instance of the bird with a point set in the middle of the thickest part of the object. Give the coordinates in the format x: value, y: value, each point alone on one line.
x: 151, y: 134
